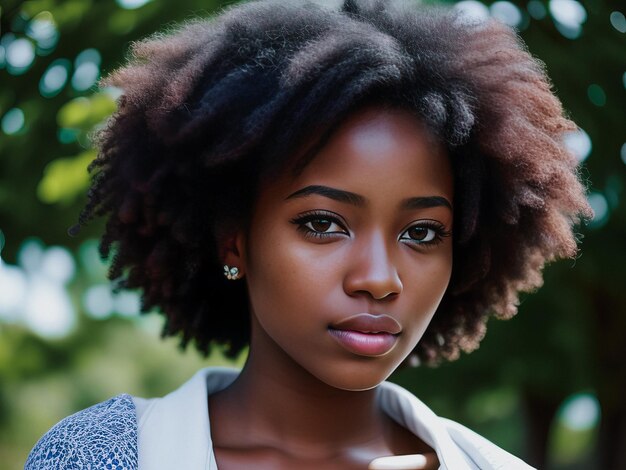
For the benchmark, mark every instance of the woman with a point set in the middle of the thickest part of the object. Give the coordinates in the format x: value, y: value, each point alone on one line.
x: 347, y: 190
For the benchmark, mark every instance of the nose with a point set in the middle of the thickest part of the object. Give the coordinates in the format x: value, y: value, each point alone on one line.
x: 371, y: 270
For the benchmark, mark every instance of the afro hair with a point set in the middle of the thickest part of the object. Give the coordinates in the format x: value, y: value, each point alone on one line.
x: 212, y: 105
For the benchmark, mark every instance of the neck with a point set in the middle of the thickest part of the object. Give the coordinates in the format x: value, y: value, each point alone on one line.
x: 277, y: 403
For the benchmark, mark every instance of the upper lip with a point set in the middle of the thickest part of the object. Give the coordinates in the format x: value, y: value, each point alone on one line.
x: 368, y: 323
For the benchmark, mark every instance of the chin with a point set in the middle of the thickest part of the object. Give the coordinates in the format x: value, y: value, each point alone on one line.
x: 356, y: 377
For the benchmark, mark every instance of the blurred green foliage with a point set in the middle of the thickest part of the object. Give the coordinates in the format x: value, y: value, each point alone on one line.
x: 567, y: 339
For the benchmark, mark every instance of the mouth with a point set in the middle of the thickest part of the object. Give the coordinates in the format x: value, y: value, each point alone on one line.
x: 365, y: 334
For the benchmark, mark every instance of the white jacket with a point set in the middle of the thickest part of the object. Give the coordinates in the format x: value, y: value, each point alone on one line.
x: 174, y: 431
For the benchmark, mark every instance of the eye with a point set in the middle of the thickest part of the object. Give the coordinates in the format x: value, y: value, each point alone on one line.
x: 320, y: 224
x: 428, y: 232
x: 421, y: 234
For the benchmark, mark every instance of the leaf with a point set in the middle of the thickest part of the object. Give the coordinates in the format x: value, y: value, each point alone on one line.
x: 65, y: 179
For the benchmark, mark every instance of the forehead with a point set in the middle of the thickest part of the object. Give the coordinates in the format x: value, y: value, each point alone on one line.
x: 376, y: 146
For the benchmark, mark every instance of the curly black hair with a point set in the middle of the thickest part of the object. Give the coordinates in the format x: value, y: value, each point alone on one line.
x: 211, y: 106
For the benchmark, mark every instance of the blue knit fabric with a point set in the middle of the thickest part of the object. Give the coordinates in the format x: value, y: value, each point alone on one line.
x: 103, y: 437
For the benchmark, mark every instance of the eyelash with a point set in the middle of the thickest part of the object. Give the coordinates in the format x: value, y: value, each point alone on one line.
x: 437, y: 227
x: 312, y: 216
x: 305, y: 218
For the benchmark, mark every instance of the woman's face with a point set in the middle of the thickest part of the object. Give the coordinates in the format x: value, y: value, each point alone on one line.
x: 347, y: 262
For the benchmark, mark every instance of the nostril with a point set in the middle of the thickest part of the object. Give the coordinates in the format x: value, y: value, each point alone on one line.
x: 385, y: 296
x: 388, y: 296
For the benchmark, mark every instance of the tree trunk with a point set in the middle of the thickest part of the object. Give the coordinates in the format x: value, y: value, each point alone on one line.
x: 611, y: 379
x: 612, y: 439
x: 540, y: 412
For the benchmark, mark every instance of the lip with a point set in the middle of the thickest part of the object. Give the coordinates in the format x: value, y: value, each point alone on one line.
x: 368, y: 323
x: 365, y: 334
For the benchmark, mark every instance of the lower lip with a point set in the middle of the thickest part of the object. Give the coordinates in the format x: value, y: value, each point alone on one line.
x: 364, y: 344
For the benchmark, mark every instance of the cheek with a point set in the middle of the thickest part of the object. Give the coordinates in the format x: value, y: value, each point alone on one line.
x: 287, y: 273
x: 436, y: 273
x: 425, y: 285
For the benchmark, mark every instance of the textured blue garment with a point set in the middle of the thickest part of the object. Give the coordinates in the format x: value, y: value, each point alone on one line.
x: 102, y: 437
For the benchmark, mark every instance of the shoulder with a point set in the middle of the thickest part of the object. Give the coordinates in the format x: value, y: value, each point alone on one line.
x: 103, y: 436
x: 481, y: 451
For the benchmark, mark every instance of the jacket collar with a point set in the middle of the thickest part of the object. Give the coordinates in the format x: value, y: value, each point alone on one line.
x: 174, y: 431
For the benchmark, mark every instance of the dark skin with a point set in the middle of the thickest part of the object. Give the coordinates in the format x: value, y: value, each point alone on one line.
x: 377, y: 242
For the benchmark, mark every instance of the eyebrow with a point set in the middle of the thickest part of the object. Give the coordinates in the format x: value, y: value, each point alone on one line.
x: 331, y: 193
x: 425, y: 202
x: 354, y: 199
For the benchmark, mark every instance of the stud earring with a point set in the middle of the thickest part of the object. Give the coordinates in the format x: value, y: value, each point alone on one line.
x: 232, y: 274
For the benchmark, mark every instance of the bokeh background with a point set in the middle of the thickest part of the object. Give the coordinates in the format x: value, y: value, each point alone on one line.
x: 549, y: 385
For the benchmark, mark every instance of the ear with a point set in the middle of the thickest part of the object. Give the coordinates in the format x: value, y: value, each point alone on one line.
x: 232, y: 251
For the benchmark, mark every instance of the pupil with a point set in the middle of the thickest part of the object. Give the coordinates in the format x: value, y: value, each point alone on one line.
x: 320, y: 225
x: 418, y: 233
